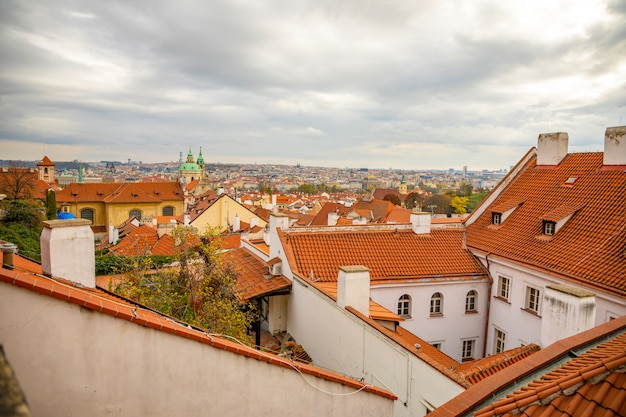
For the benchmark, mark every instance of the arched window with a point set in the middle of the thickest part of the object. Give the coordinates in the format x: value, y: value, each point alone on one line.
x: 470, y: 301
x: 168, y: 211
x: 87, y: 213
x: 436, y: 304
x: 404, y: 305
x: 136, y: 213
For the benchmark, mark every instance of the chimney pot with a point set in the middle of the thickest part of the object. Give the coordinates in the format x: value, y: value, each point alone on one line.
x: 67, y: 251
x: 615, y: 146
x: 551, y: 148
x: 8, y: 249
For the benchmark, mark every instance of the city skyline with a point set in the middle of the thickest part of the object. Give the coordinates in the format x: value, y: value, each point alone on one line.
x: 406, y: 85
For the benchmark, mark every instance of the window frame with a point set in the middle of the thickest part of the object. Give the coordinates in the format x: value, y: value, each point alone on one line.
x: 499, y: 341
x: 131, y: 211
x: 404, y: 304
x: 88, y: 210
x: 549, y: 228
x: 504, y: 291
x: 467, y: 350
x: 532, y: 303
x: 436, y: 304
x: 471, y: 299
x: 496, y: 218
x: 167, y: 208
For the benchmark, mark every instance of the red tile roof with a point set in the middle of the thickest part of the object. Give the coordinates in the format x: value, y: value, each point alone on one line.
x: 589, y: 248
x: 45, y: 162
x: 390, y: 254
x: 140, y: 241
x: 578, y: 376
x: 479, y: 369
x: 105, y: 303
x: 137, y: 192
x: 253, y: 278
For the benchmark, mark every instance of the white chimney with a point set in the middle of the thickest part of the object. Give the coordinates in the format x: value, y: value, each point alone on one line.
x: 353, y: 288
x: 111, y: 237
x: 186, y: 220
x: 420, y: 223
x: 333, y: 216
x: 615, y: 146
x: 236, y: 223
x: 551, y: 148
x: 67, y: 251
x: 274, y: 200
x: 566, y: 311
x: 279, y: 220
x: 8, y: 249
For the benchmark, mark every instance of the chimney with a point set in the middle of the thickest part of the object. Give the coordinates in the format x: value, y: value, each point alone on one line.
x: 279, y: 220
x: 566, y: 311
x: 333, y: 216
x: 353, y: 288
x: 236, y: 223
x: 67, y: 251
x: 551, y: 148
x: 254, y: 222
x: 615, y: 146
x: 420, y: 223
x: 8, y: 249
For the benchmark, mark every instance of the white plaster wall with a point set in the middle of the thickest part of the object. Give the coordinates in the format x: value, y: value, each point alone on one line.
x: 522, y: 327
x: 74, y: 361
x: 277, y: 317
x: 336, y: 339
x: 451, y: 328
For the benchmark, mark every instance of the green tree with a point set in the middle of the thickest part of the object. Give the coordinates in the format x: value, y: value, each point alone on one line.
x: 438, y: 204
x: 459, y: 204
x: 466, y: 189
x: 200, y: 291
x: 51, y: 205
x: 305, y: 188
x: 21, y: 225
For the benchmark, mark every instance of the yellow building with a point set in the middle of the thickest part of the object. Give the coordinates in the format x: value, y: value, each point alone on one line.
x: 224, y: 214
x: 114, y: 203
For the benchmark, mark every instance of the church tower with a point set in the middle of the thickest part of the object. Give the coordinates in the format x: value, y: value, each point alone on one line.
x: 402, y: 189
x: 46, y: 170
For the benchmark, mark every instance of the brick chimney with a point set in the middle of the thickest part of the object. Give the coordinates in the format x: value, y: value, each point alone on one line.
x: 353, y: 288
x: 67, y: 251
x: 420, y: 223
x: 615, y: 146
x: 552, y: 148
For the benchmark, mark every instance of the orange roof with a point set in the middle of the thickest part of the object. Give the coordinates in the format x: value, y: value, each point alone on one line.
x: 140, y: 241
x: 477, y: 370
x: 103, y: 302
x: 380, y: 209
x: 377, y: 312
x: 45, y: 162
x: 589, y: 248
x: 582, y: 375
x: 253, y: 278
x: 390, y: 254
x: 137, y: 192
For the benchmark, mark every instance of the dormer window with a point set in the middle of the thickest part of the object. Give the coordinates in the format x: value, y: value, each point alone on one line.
x: 500, y: 212
x: 496, y: 218
x: 549, y: 228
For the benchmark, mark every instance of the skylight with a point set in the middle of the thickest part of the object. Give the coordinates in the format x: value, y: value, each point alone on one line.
x: 571, y: 180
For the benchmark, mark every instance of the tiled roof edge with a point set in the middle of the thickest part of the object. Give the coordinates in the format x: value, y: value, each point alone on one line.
x: 489, y: 387
x: 76, y: 295
x: 502, y: 185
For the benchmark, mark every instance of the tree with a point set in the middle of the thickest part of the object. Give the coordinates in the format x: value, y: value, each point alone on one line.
x: 466, y: 189
x: 51, y: 205
x: 394, y: 199
x: 414, y: 200
x: 438, y: 204
x: 201, y: 290
x: 18, y: 181
x: 21, y: 225
x: 306, y: 188
x: 459, y: 204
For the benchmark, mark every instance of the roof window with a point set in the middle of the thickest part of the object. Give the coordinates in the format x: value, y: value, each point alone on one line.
x: 549, y: 228
x: 570, y: 181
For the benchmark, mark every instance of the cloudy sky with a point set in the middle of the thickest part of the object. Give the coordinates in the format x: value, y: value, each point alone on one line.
x: 407, y: 84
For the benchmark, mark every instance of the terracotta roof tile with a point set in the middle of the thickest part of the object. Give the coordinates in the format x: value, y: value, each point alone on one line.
x: 590, y: 246
x: 253, y: 278
x: 103, y: 302
x: 389, y: 254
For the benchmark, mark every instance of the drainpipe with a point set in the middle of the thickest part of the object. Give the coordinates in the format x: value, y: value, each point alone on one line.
x: 488, y: 306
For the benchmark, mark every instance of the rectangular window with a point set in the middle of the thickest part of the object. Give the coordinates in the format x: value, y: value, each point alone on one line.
x: 500, y: 341
x: 548, y: 228
x: 532, y: 299
x: 496, y: 218
x: 468, y: 350
x: 504, y: 287
x: 436, y: 345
